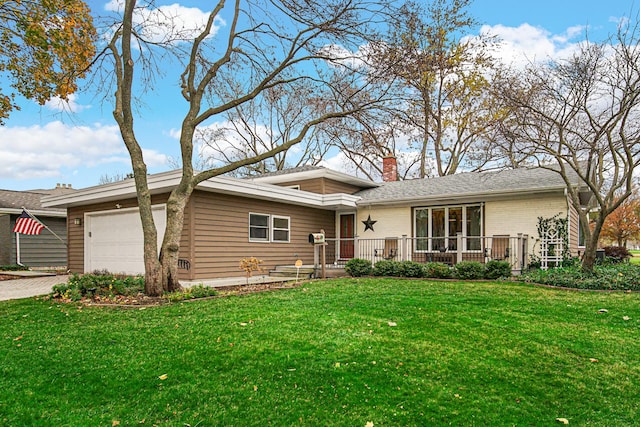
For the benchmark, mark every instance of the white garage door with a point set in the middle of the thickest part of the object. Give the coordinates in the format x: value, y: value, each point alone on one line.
x: 114, y: 241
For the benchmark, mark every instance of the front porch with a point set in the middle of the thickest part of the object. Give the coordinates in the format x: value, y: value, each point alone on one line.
x: 450, y: 251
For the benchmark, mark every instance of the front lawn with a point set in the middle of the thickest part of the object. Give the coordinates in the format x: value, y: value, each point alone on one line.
x: 346, y: 352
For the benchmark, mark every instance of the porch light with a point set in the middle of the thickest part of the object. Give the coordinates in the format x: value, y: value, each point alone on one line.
x: 77, y: 221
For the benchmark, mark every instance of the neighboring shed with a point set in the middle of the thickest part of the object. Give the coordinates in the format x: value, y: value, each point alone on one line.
x: 43, y: 250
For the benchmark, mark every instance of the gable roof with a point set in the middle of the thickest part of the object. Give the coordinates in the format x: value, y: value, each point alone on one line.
x: 469, y: 186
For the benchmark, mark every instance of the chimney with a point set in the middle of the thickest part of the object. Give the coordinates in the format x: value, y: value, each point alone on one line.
x: 389, y: 169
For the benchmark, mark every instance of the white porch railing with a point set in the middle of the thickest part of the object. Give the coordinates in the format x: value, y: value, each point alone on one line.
x: 513, y: 249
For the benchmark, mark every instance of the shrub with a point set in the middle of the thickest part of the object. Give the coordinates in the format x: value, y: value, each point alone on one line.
x: 437, y: 270
x: 99, y: 284
x: 617, y: 253
x: 605, y: 277
x: 495, y: 269
x: 358, y: 267
x: 469, y: 270
x: 197, y: 291
x: 411, y: 269
x: 387, y: 268
x: 13, y: 267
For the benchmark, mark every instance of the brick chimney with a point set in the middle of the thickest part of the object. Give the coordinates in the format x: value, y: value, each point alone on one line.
x: 389, y: 169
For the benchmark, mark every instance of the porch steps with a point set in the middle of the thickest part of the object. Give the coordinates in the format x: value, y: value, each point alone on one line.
x: 291, y: 271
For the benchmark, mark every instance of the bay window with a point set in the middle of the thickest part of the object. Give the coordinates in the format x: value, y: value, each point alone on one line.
x: 437, y: 228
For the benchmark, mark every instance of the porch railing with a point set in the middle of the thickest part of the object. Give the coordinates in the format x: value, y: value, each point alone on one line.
x: 452, y: 250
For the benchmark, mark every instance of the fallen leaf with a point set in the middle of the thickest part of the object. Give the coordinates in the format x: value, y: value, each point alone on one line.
x: 337, y: 364
x: 368, y: 424
x: 255, y: 388
x: 457, y: 396
x: 18, y: 338
x: 162, y: 377
x: 626, y: 318
x: 392, y: 324
x: 243, y: 324
x: 115, y: 423
x: 603, y: 310
x: 593, y: 360
x: 562, y: 420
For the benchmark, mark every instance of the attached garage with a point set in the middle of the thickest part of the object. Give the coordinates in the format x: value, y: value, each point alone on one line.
x: 114, y: 239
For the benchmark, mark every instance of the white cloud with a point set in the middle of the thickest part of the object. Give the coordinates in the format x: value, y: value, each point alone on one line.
x: 170, y: 23
x: 525, y: 44
x: 43, y: 151
x: 71, y: 105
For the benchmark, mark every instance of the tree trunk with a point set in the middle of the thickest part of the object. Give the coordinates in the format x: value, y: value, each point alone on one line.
x: 589, y: 258
x: 170, y: 251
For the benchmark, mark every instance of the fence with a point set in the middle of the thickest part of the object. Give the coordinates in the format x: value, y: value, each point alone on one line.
x: 513, y: 249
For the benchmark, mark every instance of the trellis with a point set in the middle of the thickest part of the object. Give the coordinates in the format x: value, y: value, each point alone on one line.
x: 554, y: 241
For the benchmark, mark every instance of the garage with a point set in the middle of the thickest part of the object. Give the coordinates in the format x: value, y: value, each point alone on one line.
x: 114, y: 240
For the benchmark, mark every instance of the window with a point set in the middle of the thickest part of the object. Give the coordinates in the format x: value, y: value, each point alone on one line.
x: 268, y: 228
x: 258, y: 228
x: 280, y: 227
x: 436, y: 229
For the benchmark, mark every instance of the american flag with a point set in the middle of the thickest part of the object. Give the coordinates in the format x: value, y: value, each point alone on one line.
x: 25, y: 224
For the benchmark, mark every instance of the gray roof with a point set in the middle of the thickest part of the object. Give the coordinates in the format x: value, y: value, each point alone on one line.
x: 465, y: 185
x: 15, y: 200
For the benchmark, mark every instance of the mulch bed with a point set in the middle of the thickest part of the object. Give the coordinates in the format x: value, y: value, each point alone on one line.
x: 141, y: 300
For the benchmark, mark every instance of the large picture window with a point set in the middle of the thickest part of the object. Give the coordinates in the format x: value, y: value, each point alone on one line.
x: 437, y: 228
x: 268, y: 228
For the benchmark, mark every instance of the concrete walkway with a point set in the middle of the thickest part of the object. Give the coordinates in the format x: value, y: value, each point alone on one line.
x: 29, y: 287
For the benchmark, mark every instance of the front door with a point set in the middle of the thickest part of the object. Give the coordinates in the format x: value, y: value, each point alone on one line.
x: 347, y: 233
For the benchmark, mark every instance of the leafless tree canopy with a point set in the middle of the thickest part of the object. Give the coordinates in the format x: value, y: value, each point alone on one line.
x: 582, y: 114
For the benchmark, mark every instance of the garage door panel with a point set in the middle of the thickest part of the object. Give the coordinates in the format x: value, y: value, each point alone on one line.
x: 114, y: 240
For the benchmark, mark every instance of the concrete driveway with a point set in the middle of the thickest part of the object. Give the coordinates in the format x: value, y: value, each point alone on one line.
x: 29, y: 287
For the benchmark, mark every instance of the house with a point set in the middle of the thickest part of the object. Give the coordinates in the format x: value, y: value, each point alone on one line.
x: 48, y: 249
x: 480, y: 216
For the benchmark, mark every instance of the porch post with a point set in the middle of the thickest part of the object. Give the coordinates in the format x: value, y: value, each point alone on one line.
x: 404, y: 255
x: 519, y: 254
x: 356, y: 247
x: 459, y: 248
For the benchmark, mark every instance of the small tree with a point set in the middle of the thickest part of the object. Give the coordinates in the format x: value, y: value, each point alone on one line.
x: 623, y: 224
x: 45, y: 47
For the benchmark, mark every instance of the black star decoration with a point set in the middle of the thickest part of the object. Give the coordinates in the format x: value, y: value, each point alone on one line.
x: 368, y: 224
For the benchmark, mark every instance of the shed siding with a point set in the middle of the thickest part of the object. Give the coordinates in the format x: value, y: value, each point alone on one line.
x: 222, y: 234
x: 44, y: 249
x: 5, y: 239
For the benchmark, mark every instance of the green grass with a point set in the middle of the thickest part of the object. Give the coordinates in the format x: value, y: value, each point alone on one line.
x: 635, y: 257
x: 482, y: 354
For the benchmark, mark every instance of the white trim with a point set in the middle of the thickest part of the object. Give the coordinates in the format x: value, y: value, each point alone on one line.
x: 268, y: 228
x: 447, y: 237
x: 317, y: 173
x: 273, y: 228
x: 165, y: 182
x: 36, y: 212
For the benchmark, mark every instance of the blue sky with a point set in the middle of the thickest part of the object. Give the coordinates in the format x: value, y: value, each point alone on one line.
x: 42, y: 146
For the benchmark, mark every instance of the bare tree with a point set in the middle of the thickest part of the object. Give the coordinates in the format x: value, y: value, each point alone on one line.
x: 263, y: 124
x: 444, y: 84
x: 265, y: 45
x: 581, y: 118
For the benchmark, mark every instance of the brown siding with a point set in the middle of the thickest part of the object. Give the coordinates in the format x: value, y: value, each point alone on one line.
x: 5, y: 239
x: 323, y: 186
x: 222, y: 234
x: 215, y: 236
